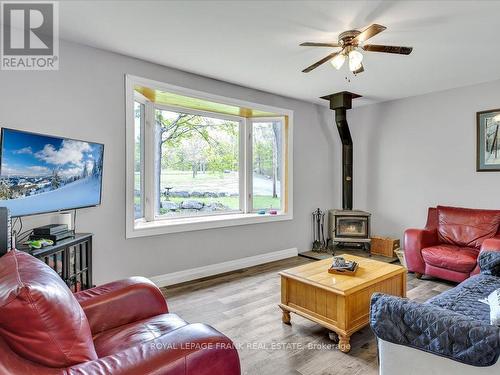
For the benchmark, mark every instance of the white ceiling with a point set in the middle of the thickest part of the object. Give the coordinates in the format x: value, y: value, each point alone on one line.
x: 256, y: 43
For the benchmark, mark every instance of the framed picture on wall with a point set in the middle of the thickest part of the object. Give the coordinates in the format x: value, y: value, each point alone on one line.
x: 488, y: 141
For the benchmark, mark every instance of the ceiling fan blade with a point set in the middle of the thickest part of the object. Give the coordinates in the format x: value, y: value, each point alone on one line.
x: 318, y: 63
x: 313, y: 44
x: 360, y: 70
x: 369, y: 32
x: 388, y: 49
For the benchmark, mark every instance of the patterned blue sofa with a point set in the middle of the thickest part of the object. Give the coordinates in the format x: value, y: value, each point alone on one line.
x: 449, y: 334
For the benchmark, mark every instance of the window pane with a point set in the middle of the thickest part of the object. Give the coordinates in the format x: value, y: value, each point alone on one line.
x: 267, y: 168
x: 138, y: 160
x: 198, y: 164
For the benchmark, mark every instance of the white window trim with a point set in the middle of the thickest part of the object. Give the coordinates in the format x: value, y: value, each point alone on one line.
x: 141, y: 227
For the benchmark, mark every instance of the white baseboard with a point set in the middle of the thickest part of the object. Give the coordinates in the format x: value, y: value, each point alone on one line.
x: 215, y: 269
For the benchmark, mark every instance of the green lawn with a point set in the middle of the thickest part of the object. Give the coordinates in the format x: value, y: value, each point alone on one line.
x: 259, y: 202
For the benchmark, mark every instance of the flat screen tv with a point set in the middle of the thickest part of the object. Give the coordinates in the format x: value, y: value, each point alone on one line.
x: 42, y: 173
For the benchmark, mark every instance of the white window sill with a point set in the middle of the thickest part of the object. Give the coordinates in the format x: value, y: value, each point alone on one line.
x: 164, y: 226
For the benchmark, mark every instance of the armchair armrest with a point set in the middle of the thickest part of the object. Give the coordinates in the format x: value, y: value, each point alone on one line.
x: 491, y: 244
x: 434, y: 330
x: 121, y: 302
x: 206, y: 352
x: 415, y: 240
x: 195, y: 349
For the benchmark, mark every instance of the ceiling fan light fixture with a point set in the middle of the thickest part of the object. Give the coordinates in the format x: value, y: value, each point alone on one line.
x: 355, y: 60
x: 351, y: 43
x: 338, y: 61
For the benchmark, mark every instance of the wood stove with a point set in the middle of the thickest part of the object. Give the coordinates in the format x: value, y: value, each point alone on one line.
x: 347, y: 225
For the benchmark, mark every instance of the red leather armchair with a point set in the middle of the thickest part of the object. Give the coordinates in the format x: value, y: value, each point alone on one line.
x: 451, y: 242
x: 121, y: 328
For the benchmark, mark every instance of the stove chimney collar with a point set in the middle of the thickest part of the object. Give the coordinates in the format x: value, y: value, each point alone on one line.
x: 341, y: 99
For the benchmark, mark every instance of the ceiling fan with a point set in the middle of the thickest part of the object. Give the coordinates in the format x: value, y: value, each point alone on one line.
x: 351, y: 42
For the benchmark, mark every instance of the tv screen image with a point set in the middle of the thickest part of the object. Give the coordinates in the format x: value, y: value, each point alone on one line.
x: 41, y: 173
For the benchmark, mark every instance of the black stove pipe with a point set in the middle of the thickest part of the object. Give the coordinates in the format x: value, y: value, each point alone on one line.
x: 347, y: 154
x: 340, y: 103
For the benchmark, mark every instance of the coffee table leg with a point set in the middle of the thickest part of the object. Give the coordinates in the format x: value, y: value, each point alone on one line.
x: 344, y: 345
x: 285, y: 316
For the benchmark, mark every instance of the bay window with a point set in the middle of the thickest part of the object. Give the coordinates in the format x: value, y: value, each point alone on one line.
x: 196, y: 161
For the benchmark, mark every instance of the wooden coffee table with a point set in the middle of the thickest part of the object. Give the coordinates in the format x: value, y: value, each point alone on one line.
x: 337, y: 302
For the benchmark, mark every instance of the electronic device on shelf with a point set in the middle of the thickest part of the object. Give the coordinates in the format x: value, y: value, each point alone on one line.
x: 54, y: 237
x: 51, y: 173
x: 52, y: 232
x: 50, y: 229
x: 5, y: 230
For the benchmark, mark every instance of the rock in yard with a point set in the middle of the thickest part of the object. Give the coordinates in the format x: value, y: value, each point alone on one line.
x: 215, y: 206
x: 191, y: 205
x: 182, y: 194
x: 168, y: 205
x: 209, y: 194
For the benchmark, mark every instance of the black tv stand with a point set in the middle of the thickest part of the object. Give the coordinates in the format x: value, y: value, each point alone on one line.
x: 71, y: 258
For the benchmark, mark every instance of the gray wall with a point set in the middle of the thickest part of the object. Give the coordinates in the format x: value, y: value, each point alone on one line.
x: 419, y: 152
x: 409, y: 154
x: 85, y: 100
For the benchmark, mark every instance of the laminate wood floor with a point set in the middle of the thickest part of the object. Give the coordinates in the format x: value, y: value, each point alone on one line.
x: 244, y: 306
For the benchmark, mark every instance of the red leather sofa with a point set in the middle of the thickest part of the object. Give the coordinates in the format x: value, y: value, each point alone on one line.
x: 121, y: 328
x: 449, y: 245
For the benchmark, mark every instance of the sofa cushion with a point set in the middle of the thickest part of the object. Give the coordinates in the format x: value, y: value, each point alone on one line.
x: 456, y: 258
x: 466, y: 227
x: 133, y: 334
x: 39, y: 317
x: 464, y: 298
x: 436, y: 330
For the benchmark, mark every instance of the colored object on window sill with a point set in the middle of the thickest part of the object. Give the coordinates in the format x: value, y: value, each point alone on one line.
x: 273, y: 212
x: 261, y: 212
